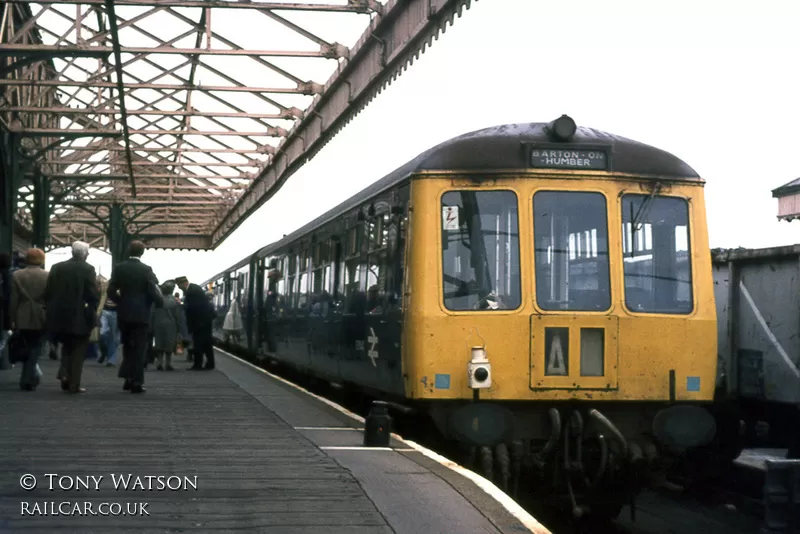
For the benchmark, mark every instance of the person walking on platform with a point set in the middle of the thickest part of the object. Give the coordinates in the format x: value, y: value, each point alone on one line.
x: 28, y: 317
x: 71, y: 302
x: 109, y: 332
x: 199, y: 321
x: 169, y: 328
x: 93, y: 351
x: 134, y: 287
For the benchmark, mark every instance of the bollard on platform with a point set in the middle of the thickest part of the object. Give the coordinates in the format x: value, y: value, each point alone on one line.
x: 781, y: 495
x: 378, y: 426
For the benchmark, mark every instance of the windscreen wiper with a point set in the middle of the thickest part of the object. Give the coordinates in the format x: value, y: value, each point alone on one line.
x: 637, y: 221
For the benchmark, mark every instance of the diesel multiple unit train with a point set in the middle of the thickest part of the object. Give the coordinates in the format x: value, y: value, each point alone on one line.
x: 542, y: 292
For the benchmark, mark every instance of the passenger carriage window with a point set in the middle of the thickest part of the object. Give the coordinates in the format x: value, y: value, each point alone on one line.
x: 290, y: 281
x: 353, y: 278
x: 317, y: 260
x: 321, y: 296
x: 231, y: 290
x: 378, y: 264
x: 302, y: 288
x: 273, y: 280
x: 571, y: 246
x: 480, y: 256
x: 656, y: 254
x: 327, y: 272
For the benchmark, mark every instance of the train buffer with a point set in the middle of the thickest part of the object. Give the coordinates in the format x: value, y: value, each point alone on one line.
x: 229, y: 449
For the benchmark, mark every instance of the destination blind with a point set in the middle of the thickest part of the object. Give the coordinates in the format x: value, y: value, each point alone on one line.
x: 568, y: 159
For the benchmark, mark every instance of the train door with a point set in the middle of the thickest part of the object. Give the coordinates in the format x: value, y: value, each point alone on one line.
x: 573, y: 335
x: 335, y: 315
x: 256, y: 305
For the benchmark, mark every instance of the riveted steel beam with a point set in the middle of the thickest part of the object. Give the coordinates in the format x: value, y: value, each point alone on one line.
x: 170, y: 150
x: 34, y: 53
x: 115, y: 177
x: 139, y: 202
x: 184, y: 163
x: 351, y: 7
x: 51, y: 132
x: 66, y: 134
x: 309, y: 88
x: 53, y: 50
x: 116, y: 47
x: 290, y: 113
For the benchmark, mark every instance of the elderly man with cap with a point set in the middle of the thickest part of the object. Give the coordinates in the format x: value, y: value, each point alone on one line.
x: 199, y: 321
x: 27, y: 313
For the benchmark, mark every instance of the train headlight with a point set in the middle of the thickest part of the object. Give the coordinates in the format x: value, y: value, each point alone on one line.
x: 479, y: 370
x: 592, y: 352
x: 562, y: 129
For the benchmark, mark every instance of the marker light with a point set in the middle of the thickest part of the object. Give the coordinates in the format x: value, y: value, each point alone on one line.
x: 562, y: 129
x: 479, y: 370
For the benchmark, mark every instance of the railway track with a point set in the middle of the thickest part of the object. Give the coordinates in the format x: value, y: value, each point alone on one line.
x: 725, y: 507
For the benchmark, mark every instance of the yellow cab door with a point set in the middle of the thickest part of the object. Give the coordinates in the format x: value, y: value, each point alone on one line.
x: 573, y: 334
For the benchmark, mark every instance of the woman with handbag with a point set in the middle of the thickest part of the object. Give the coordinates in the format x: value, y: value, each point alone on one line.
x: 27, y: 313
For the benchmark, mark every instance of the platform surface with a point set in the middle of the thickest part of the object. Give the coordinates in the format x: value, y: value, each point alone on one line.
x: 250, y: 453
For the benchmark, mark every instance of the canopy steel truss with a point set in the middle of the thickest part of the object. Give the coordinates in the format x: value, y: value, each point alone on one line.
x: 181, y: 126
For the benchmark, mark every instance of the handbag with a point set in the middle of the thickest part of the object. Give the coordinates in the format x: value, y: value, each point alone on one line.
x: 18, y: 349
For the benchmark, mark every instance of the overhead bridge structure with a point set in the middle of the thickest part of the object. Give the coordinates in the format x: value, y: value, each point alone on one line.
x: 173, y: 120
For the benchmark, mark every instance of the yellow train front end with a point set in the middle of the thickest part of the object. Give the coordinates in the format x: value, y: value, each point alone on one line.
x: 562, y: 319
x: 581, y: 312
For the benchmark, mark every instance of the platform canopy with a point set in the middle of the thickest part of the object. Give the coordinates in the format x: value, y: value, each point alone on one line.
x: 181, y: 117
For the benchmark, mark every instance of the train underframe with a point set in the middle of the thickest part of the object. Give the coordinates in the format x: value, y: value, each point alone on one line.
x: 591, y: 459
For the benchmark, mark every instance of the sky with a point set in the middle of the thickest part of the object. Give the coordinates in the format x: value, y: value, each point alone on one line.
x: 712, y: 82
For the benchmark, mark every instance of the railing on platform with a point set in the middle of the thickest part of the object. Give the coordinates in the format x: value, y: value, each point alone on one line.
x: 782, y: 497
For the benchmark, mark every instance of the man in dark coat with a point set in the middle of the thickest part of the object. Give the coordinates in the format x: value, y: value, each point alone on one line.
x: 199, y: 321
x: 71, y: 299
x: 134, y: 287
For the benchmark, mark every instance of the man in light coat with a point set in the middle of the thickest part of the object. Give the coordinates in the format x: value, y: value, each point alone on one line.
x: 27, y: 313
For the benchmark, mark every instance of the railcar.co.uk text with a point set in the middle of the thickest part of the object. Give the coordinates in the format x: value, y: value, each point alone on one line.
x: 91, y: 483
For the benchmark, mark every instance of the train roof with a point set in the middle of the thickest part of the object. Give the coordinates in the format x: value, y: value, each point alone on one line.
x: 503, y: 148
x: 500, y: 147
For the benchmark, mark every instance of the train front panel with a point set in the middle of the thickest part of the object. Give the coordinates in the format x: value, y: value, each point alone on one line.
x: 567, y: 286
